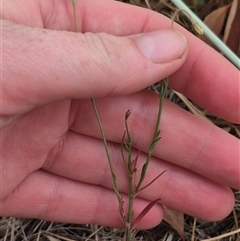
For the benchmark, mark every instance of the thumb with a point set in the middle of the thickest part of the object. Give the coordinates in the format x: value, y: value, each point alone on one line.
x: 42, y: 66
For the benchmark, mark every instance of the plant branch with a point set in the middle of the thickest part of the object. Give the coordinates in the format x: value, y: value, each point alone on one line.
x: 115, y: 187
x: 162, y: 93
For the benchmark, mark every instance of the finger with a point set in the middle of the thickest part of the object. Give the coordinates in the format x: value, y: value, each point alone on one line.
x: 84, y: 159
x: 206, y: 77
x: 213, y: 86
x: 27, y: 141
x: 46, y: 196
x: 26, y: 152
x: 185, y: 140
x: 49, y: 66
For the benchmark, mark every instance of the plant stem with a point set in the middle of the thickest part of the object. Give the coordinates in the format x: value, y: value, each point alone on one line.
x: 130, y: 169
x: 209, y: 34
x: 115, y: 187
x: 75, y: 15
x: 162, y: 92
x: 130, y: 164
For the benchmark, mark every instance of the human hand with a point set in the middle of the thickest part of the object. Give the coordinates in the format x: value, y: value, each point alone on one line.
x: 54, y: 165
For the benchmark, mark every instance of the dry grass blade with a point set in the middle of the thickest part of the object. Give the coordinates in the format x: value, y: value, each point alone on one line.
x: 148, y: 4
x: 193, y: 229
x: 191, y: 107
x: 94, y: 233
x: 175, y: 219
x: 57, y: 237
x: 223, y: 235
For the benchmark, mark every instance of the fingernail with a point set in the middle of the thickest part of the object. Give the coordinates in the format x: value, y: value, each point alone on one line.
x: 162, y: 46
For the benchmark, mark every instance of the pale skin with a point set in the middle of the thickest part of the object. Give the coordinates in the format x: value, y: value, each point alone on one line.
x: 53, y: 163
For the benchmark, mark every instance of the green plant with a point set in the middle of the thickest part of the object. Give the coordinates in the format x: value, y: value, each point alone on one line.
x: 134, y: 187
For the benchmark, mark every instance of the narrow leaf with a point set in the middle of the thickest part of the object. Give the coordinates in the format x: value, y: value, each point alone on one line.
x: 122, y: 148
x: 144, y: 212
x: 134, y: 163
x: 144, y: 187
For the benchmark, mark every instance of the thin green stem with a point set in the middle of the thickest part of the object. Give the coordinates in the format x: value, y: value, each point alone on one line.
x: 130, y: 164
x: 209, y: 34
x: 162, y: 92
x: 74, y: 14
x: 115, y: 186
